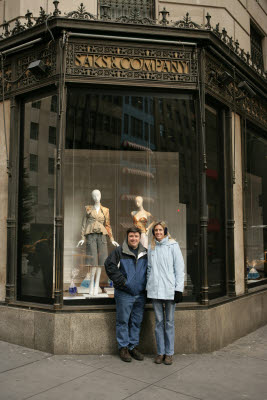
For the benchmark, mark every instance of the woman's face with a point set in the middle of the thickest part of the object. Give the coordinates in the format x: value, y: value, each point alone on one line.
x: 159, y: 232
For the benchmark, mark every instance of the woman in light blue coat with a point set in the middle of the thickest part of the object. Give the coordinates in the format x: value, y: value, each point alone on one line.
x: 165, y: 285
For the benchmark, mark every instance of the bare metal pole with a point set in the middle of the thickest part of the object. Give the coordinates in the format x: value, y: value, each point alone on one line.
x: 130, y: 39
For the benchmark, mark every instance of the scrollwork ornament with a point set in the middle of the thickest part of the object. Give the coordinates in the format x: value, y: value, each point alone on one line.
x: 186, y: 23
x: 42, y: 16
x: 18, y: 27
x: 80, y: 13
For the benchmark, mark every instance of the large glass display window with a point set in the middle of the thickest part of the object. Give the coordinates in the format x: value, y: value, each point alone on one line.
x: 130, y: 159
x: 216, y: 203
x: 36, y: 200
x: 256, y: 206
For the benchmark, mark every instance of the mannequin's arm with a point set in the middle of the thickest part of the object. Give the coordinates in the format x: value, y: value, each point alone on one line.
x: 80, y: 243
x: 151, y: 224
x: 115, y: 243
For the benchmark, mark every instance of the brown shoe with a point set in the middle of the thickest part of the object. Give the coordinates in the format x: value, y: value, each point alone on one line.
x: 168, y: 360
x: 159, y: 359
x: 124, y: 354
x: 135, y: 353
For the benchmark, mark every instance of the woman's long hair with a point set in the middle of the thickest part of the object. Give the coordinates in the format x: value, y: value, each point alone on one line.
x: 164, y: 225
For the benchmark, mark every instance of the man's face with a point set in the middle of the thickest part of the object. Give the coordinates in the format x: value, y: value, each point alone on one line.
x: 159, y: 232
x: 133, y: 239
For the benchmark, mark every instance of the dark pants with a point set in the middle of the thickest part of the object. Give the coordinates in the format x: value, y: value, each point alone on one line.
x: 96, y: 249
x: 129, y: 316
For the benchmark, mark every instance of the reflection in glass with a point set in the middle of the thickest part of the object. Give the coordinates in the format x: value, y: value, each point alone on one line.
x: 36, y: 207
x: 256, y: 207
x: 215, y: 199
x: 114, y: 143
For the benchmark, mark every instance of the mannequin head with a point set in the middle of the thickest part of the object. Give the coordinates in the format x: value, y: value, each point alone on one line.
x: 96, y: 195
x: 139, y: 201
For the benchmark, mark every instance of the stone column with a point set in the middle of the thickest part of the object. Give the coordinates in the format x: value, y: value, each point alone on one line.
x: 3, y: 194
x: 238, y: 205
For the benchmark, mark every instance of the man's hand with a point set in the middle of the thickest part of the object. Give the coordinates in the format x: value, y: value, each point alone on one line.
x: 178, y: 297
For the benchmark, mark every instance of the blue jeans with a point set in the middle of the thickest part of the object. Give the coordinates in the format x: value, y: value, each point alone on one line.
x: 164, y: 329
x: 129, y: 316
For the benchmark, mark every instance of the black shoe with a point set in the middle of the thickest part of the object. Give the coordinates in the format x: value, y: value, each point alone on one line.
x: 135, y: 353
x: 124, y: 354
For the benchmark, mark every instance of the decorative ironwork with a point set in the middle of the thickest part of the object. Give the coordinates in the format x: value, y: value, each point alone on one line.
x: 232, y: 93
x: 46, y: 54
x: 28, y: 17
x: 217, y: 31
x: 186, y: 23
x: 256, y: 47
x: 81, y: 13
x: 7, y: 79
x: 135, y: 18
x: 56, y: 12
x: 140, y: 12
x: 208, y: 25
x: 104, y: 11
x: 124, y: 8
x: 42, y: 16
x: 164, y: 13
x: 18, y: 27
x: 6, y: 29
x: 123, y: 62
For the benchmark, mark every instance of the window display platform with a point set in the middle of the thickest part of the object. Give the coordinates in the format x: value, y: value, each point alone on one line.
x: 86, y: 332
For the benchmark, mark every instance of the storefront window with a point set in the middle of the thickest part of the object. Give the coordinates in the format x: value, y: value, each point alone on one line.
x: 36, y: 201
x: 216, y: 204
x: 139, y: 153
x: 256, y: 207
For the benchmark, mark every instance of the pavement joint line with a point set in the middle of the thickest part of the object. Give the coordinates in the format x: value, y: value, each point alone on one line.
x: 124, y: 376
x: 24, y: 365
x: 160, y: 387
x: 184, y: 394
x: 174, y: 372
x: 60, y: 384
x: 138, y: 391
x: 257, y: 358
x: 139, y: 380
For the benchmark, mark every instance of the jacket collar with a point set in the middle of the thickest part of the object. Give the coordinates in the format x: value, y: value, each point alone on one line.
x: 126, y: 250
x: 163, y: 242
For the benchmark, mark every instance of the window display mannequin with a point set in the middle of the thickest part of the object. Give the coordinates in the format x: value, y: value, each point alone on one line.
x: 140, y: 219
x: 95, y: 229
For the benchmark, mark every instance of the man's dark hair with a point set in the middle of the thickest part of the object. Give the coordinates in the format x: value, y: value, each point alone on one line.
x: 133, y: 229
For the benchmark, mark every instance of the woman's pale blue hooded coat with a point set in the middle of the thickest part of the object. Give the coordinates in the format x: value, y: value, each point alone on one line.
x: 165, y: 270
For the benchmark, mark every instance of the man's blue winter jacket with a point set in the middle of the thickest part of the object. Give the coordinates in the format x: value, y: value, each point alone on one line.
x: 127, y: 271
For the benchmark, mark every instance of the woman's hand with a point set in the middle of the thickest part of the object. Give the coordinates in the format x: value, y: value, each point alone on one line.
x: 178, y: 297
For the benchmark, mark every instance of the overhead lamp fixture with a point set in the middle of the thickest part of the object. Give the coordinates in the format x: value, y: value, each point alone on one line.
x: 247, y: 89
x: 225, y: 78
x: 38, y: 68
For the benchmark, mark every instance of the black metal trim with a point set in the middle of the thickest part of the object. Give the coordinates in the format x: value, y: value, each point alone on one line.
x: 12, y: 226
x: 203, y: 167
x: 229, y: 214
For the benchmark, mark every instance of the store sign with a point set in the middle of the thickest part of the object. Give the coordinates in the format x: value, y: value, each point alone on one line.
x: 132, y: 63
x: 168, y: 64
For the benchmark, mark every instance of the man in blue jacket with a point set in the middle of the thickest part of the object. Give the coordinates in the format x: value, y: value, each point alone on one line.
x: 126, y: 266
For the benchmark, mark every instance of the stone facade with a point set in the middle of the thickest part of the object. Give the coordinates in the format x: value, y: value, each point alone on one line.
x: 3, y: 194
x: 70, y: 332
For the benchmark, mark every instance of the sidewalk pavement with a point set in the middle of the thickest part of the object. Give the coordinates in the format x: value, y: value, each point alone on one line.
x: 238, y: 371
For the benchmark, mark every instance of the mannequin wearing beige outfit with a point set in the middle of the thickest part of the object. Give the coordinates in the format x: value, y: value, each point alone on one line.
x: 140, y: 219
